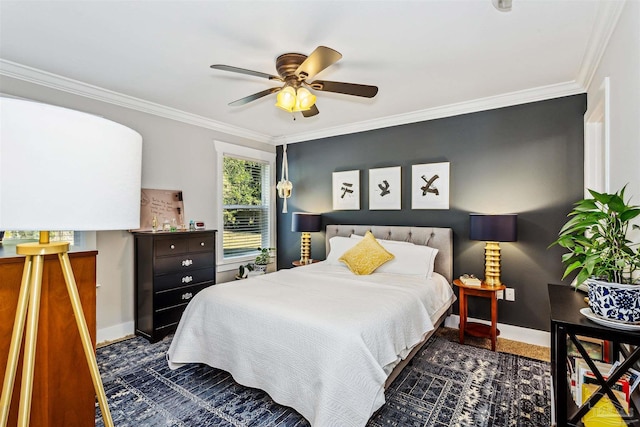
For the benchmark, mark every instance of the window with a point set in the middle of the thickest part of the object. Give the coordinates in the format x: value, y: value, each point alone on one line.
x: 19, y: 236
x: 247, y: 216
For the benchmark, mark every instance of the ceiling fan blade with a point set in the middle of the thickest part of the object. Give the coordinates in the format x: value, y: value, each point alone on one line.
x: 243, y: 71
x: 319, y: 59
x: 355, y: 89
x: 253, y: 97
x: 311, y: 111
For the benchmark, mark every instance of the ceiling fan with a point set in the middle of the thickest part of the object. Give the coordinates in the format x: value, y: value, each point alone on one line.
x: 294, y: 69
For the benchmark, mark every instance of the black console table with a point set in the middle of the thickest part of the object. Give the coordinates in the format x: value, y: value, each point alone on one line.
x: 566, y: 323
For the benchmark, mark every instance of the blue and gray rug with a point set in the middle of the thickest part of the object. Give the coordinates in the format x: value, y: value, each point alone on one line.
x: 447, y: 385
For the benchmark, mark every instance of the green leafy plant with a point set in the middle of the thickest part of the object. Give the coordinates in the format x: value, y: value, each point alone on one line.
x: 264, y: 257
x: 596, y: 238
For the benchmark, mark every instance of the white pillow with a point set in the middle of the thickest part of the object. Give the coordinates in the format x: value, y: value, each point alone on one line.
x: 338, y: 246
x: 411, y: 260
x: 418, y: 262
x: 395, y: 242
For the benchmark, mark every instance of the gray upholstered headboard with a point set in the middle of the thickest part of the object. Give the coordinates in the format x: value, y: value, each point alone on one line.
x: 438, y: 238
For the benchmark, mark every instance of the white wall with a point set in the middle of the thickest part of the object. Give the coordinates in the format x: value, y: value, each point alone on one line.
x: 621, y: 63
x: 175, y: 155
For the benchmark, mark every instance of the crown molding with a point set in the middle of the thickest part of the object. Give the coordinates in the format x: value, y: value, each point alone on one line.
x: 605, y: 23
x: 482, y: 104
x: 33, y: 75
x: 54, y: 81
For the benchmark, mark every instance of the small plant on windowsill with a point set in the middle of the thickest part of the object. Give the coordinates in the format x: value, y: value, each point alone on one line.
x: 263, y: 259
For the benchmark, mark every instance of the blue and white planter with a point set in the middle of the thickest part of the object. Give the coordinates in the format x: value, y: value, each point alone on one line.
x: 614, y: 301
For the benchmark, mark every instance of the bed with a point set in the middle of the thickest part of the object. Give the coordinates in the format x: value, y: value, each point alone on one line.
x: 318, y: 338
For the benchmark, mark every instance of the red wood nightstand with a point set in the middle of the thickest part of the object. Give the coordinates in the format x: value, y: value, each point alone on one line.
x: 473, y: 328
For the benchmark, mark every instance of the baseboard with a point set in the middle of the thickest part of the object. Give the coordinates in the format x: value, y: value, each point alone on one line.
x: 114, y: 333
x: 510, y: 332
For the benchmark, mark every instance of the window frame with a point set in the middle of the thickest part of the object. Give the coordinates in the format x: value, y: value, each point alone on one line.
x: 253, y: 154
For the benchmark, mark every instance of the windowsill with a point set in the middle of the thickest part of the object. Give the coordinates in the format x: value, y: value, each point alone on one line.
x: 236, y: 263
x: 8, y: 249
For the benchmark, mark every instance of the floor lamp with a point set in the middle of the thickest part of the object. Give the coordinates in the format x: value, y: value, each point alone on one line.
x: 60, y: 169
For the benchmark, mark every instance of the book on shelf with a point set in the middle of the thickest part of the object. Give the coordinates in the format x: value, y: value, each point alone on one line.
x: 603, y: 413
x: 581, y: 375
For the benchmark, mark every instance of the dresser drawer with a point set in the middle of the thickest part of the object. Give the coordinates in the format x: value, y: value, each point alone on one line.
x: 178, y: 296
x: 202, y: 243
x: 168, y: 318
x: 184, y: 262
x: 170, y: 245
x: 188, y: 278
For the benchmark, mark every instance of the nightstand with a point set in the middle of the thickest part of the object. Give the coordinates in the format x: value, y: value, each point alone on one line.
x: 297, y: 262
x: 473, y: 328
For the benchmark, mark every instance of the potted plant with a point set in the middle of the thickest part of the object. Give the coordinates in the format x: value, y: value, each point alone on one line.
x: 263, y: 259
x: 596, y: 238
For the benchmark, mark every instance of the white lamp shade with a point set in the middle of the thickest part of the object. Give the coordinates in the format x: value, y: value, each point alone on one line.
x: 62, y: 169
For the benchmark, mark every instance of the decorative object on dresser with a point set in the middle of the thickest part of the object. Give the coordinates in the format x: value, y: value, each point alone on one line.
x: 160, y: 209
x: 305, y: 223
x: 171, y: 268
x: 599, y: 249
x: 93, y: 184
x: 493, y: 229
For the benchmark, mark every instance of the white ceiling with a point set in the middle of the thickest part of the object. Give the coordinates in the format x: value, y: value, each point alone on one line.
x: 429, y: 58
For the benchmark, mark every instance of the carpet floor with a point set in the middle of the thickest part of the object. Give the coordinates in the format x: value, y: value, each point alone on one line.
x: 446, y: 385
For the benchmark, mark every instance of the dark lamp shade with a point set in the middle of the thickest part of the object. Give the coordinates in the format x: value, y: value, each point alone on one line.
x: 306, y: 222
x: 493, y: 228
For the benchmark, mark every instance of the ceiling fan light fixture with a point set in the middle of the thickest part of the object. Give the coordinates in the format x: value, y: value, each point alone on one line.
x: 286, y: 99
x: 305, y: 99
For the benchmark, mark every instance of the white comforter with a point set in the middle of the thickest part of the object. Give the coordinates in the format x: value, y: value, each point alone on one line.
x: 316, y: 338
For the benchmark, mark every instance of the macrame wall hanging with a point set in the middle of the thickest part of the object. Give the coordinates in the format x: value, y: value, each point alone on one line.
x: 284, y: 186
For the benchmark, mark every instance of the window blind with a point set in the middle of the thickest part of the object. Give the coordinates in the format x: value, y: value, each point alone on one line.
x: 245, y: 206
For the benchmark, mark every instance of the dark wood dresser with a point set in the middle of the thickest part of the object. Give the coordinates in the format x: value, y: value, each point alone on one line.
x: 63, y: 393
x: 171, y: 268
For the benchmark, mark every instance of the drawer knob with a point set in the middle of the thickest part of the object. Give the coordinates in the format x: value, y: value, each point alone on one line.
x: 201, y: 243
x: 187, y: 296
x: 187, y: 279
x: 187, y: 262
x: 172, y: 246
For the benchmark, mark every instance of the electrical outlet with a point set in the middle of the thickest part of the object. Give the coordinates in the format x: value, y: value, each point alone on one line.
x: 500, y: 294
x: 510, y: 294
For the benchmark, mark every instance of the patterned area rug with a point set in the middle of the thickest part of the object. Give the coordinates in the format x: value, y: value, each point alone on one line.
x: 447, y: 385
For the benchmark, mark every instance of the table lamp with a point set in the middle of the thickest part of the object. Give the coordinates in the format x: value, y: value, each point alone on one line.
x: 305, y: 223
x: 493, y: 229
x: 60, y: 169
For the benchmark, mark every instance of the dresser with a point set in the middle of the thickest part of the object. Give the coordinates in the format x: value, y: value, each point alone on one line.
x: 63, y: 393
x: 171, y: 268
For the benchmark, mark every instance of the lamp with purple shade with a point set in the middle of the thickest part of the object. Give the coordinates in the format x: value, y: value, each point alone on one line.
x: 305, y: 223
x: 493, y: 229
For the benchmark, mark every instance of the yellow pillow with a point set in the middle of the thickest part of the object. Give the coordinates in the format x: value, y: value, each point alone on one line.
x: 366, y: 256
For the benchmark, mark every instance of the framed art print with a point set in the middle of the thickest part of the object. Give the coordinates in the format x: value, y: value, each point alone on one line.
x: 346, y: 190
x: 385, y: 188
x: 430, y: 186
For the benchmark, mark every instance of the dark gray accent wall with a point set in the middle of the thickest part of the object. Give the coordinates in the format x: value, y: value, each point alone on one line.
x: 526, y: 159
